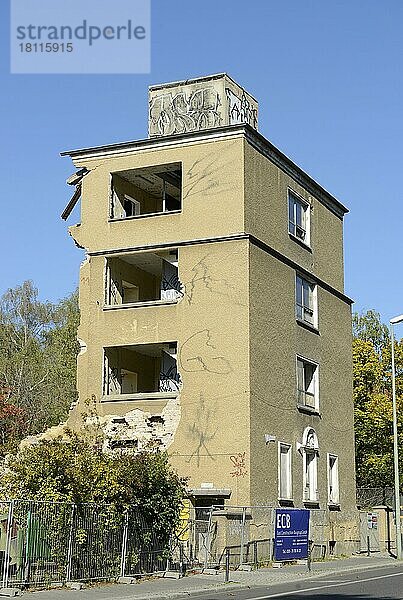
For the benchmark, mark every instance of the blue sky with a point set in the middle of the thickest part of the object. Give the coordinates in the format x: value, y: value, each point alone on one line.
x: 328, y: 77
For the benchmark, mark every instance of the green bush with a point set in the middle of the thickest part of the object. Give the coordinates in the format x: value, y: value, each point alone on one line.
x: 73, y: 468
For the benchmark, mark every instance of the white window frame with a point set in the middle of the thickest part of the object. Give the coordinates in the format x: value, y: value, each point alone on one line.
x: 303, y: 309
x: 310, y: 447
x: 301, y: 232
x: 313, y: 388
x: 289, y: 495
x: 135, y: 203
x: 333, y: 485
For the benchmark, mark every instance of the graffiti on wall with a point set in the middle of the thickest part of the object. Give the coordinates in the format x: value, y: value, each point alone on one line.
x: 203, y: 279
x: 198, y: 353
x: 203, y: 430
x: 184, y: 111
x: 170, y: 380
x: 238, y: 462
x: 240, y: 109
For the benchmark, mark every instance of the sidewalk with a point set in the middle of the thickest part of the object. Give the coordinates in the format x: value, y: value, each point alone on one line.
x: 175, y: 588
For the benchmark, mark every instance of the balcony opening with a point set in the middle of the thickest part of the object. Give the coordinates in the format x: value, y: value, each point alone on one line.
x: 143, y: 277
x: 141, y: 369
x: 146, y: 191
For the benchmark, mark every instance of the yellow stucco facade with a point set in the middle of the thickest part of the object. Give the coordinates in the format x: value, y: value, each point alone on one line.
x: 225, y: 326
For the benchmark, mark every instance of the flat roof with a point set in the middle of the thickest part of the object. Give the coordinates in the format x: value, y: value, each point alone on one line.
x: 182, y: 82
x: 256, y: 139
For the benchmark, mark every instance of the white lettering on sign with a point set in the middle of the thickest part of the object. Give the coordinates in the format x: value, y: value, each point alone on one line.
x: 283, y: 521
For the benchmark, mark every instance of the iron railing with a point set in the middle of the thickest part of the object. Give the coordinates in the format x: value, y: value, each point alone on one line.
x: 45, y: 543
x: 48, y: 543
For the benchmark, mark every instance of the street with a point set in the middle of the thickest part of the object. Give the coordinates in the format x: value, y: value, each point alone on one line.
x: 360, y: 578
x: 382, y: 584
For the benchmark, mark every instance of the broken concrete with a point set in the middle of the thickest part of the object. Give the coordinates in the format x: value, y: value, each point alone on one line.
x: 138, y: 430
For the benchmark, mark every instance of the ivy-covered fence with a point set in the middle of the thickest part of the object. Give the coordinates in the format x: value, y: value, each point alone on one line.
x: 45, y: 543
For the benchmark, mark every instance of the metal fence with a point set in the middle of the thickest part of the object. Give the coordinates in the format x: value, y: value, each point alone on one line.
x: 47, y: 543
x: 368, y: 497
x: 241, y: 535
x: 44, y: 543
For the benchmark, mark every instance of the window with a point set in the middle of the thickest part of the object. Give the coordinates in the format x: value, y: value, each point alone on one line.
x: 307, y: 384
x: 298, y: 217
x: 284, y: 472
x: 333, y: 478
x: 142, y: 278
x: 146, y: 191
x: 131, y: 206
x: 141, y: 369
x: 310, y: 466
x: 306, y: 301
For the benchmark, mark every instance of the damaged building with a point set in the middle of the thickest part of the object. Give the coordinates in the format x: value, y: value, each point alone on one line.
x: 214, y: 322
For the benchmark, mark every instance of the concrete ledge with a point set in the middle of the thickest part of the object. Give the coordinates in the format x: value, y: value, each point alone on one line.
x: 245, y: 568
x: 210, y: 572
x: 171, y: 575
x: 126, y: 579
x: 10, y: 592
x: 75, y: 585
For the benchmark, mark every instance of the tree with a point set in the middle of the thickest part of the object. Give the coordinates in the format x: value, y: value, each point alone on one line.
x: 60, y: 355
x: 368, y: 328
x: 373, y: 400
x: 74, y: 468
x: 12, y: 419
x: 37, y: 359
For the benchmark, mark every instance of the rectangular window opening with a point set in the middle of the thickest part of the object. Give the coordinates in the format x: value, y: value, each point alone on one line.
x: 307, y: 384
x: 143, y: 277
x: 146, y: 191
x: 141, y: 369
x: 298, y: 217
x: 310, y: 476
x: 333, y: 479
x: 285, y: 480
x: 306, y: 301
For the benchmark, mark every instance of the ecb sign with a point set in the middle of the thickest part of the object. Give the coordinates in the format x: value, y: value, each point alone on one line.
x: 291, y: 534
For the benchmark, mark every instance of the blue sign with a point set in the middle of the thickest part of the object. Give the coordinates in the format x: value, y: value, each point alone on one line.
x: 291, y: 533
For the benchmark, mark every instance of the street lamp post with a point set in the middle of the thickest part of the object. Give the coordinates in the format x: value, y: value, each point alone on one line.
x: 393, y: 322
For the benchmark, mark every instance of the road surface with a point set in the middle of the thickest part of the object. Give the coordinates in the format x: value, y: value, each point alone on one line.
x: 380, y: 584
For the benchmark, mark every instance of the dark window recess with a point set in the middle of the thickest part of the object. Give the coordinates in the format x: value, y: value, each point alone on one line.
x: 141, y: 369
x: 146, y: 191
x: 114, y: 444
x: 143, y: 277
x: 156, y: 420
x: 203, y: 505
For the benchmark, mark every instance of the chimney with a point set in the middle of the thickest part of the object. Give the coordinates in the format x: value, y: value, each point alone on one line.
x: 199, y: 104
